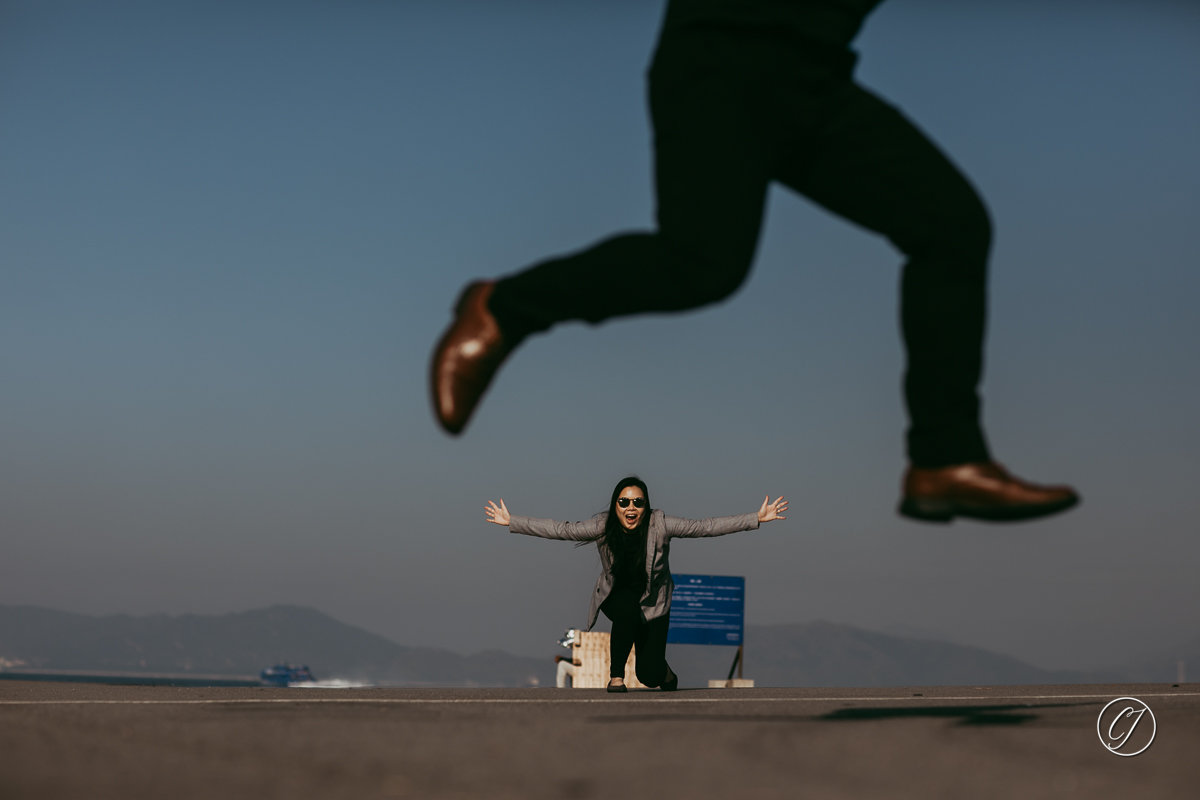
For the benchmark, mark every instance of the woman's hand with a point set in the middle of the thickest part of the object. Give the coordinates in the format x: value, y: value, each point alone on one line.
x: 769, y: 510
x: 499, y: 513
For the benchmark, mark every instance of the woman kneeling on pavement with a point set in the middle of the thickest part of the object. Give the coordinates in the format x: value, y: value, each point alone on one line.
x: 634, y: 588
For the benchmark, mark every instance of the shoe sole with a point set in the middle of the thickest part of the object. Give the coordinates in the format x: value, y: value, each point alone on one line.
x: 942, y: 512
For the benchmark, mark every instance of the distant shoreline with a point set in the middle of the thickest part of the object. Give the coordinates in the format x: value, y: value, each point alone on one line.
x: 128, y: 678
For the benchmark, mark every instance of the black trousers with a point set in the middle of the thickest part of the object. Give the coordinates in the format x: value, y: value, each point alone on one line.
x: 732, y: 113
x: 630, y: 630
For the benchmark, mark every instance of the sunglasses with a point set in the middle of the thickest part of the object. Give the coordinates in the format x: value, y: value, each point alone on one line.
x: 638, y: 502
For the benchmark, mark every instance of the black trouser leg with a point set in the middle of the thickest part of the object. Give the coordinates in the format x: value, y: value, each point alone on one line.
x: 869, y: 164
x: 711, y: 179
x: 620, y: 642
x: 630, y: 631
x: 730, y: 114
x: 651, y: 651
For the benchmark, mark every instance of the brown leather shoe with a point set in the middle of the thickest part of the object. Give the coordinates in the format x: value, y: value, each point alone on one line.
x: 466, y: 358
x: 982, y: 491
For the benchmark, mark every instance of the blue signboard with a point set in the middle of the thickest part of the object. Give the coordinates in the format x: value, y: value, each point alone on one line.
x: 707, y: 609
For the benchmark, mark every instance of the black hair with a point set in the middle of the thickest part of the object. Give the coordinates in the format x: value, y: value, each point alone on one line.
x: 616, y: 537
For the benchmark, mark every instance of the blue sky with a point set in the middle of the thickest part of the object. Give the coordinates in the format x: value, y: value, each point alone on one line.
x: 230, y: 234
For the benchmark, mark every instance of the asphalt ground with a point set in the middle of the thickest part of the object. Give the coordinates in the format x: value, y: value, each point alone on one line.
x: 93, y: 741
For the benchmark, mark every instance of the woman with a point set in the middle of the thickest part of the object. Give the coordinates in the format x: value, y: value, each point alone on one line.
x: 634, y: 589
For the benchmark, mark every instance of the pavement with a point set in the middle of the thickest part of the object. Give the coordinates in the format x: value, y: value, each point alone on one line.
x: 96, y: 741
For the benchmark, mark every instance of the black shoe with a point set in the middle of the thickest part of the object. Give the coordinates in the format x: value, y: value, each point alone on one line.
x: 671, y: 685
x: 617, y: 688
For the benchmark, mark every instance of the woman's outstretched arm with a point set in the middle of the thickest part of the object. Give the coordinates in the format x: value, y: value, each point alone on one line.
x: 545, y: 528
x: 719, y: 526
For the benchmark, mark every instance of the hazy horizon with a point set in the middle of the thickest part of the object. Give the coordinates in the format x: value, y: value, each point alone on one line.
x: 708, y: 654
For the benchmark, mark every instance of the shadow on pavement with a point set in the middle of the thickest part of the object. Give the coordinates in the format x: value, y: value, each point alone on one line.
x: 968, y: 715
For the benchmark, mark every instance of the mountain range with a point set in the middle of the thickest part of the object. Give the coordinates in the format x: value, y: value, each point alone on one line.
x: 242, y: 644
x: 812, y: 654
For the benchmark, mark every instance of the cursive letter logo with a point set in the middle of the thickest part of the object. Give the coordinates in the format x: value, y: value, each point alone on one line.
x: 1118, y: 728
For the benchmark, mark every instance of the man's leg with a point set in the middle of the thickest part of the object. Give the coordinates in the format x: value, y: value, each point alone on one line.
x: 711, y: 177
x: 711, y: 173
x: 872, y: 166
x: 868, y: 163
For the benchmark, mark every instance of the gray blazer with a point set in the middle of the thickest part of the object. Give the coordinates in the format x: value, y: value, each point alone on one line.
x: 656, y: 601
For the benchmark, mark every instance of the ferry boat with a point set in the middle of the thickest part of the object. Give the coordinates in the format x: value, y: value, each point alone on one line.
x: 286, y: 675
